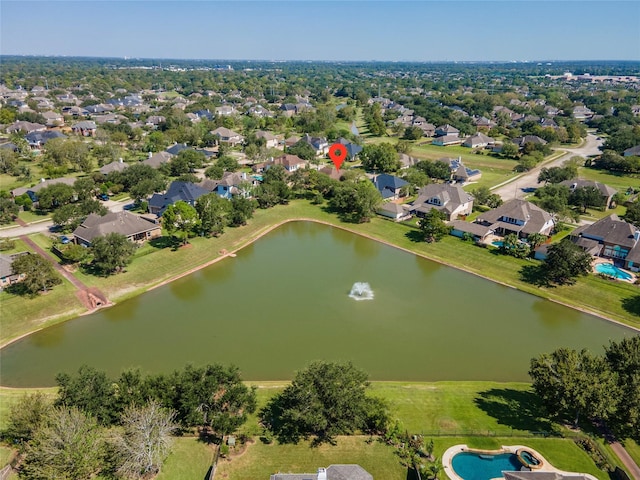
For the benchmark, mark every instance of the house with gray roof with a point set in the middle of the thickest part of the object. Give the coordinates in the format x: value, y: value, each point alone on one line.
x: 54, y: 119
x: 271, y: 141
x: 444, y: 130
x: 33, y: 190
x: 478, y: 140
x: 445, y: 140
x: 26, y: 127
x: 353, y: 149
x: 610, y: 237
x: 118, y: 166
x: 389, y: 186
x: 632, y: 152
x: 451, y: 200
x: 39, y: 139
x: 606, y: 191
x: 536, y: 140
x: 319, y: 144
x: 156, y: 160
x: 86, y: 128
x: 517, y: 216
x: 332, y: 472
x: 543, y: 475
x: 227, y: 136
x: 136, y: 228
x: 178, y: 191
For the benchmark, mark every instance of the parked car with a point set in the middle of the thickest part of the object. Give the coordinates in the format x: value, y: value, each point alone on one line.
x: 64, y: 239
x: 103, y: 196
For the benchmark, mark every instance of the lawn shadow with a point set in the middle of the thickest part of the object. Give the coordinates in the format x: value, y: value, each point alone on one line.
x: 520, y: 410
x: 632, y: 305
x: 534, y: 275
x: 415, y: 236
x: 165, y: 242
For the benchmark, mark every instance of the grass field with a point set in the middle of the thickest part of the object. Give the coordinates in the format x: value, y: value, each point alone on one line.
x: 189, y: 459
x: 618, y: 181
x: 633, y: 449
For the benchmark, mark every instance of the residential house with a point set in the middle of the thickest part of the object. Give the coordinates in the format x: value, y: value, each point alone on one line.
x: 75, y: 111
x: 445, y: 130
x: 459, y: 172
x: 394, y: 211
x: 582, y: 113
x: 227, y: 136
x: 288, y: 109
x: 7, y: 277
x: 176, y: 148
x: 610, y: 237
x: 331, y: 172
x: 230, y: 184
x: 112, y: 118
x: 353, y: 149
x: 447, y: 140
x: 38, y: 139
x: 332, y: 472
x: 478, y: 140
x: 206, y: 114
x: 67, y: 98
x: 545, y: 475
x: 517, y: 216
x: 632, y: 152
x: 54, y: 119
x: 178, y: 191
x: 99, y: 108
x: 158, y: 159
x: 118, y: 166
x: 522, y: 141
x: 483, y: 122
x: 259, y: 111
x: 479, y: 232
x: 85, y: 128
x: 407, y: 161
x: 271, y: 141
x: 226, y: 110
x: 135, y: 227
x: 451, y: 200
x: 389, y: 186
x: 33, y: 190
x: 126, y: 101
x: 319, y: 144
x: 154, y: 120
x: 606, y: 191
x: 25, y: 127
x: 291, y: 163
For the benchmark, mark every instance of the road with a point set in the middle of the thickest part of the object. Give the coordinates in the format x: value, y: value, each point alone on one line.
x: 520, y: 186
x: 45, y: 225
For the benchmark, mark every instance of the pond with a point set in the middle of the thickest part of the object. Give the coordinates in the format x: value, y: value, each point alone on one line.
x: 284, y: 301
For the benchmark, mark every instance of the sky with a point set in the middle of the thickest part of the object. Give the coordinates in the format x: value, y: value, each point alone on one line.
x: 445, y: 30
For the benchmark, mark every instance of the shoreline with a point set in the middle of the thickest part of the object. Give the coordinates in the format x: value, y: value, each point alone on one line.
x: 261, y: 233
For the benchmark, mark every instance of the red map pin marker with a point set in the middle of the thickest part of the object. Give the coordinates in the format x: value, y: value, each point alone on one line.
x: 337, y: 154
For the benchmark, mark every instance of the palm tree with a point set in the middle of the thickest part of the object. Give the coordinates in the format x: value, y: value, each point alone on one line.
x: 536, y: 239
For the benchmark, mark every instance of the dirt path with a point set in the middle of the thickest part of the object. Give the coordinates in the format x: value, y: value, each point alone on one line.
x: 91, y: 298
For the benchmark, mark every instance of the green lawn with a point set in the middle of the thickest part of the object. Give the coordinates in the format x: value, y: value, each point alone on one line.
x: 633, y: 449
x: 34, y: 216
x: 6, y: 455
x: 260, y: 460
x: 9, y: 396
x: 189, y: 459
x: 19, y: 246
x: 618, y: 181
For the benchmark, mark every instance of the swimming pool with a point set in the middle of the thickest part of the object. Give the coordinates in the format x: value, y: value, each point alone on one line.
x: 613, y: 271
x: 497, y: 243
x: 477, y: 466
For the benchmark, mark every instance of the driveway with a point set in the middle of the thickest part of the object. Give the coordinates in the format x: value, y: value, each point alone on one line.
x: 524, y: 184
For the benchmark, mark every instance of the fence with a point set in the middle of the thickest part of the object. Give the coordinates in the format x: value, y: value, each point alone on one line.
x: 491, y: 433
x: 214, y: 463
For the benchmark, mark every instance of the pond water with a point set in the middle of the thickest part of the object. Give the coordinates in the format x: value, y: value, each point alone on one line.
x: 284, y: 301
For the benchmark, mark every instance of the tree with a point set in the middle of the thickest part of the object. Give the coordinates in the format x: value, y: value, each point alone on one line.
x: 585, y: 197
x: 71, y: 215
x: 29, y: 414
x: 55, y: 196
x: 91, y: 391
x: 438, y: 170
x: 228, y: 163
x: 432, y: 226
x: 70, y: 446
x: 145, y: 439
x: 241, y: 210
x: 572, y: 383
x: 509, y: 150
x: 381, y: 158
x: 303, y: 150
x: 565, y: 262
x: 39, y: 273
x: 180, y: 218
x: 412, y: 133
x: 356, y: 201
x: 112, y: 252
x: 323, y: 400
x: 213, y: 211
x: 623, y: 359
x: 536, y: 239
x: 8, y: 210
x: 633, y: 213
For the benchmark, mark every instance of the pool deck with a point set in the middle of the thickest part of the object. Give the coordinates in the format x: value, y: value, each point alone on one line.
x: 447, y: 459
x: 629, y: 280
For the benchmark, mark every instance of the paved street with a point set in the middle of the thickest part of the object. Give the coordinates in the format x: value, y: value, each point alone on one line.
x: 519, y: 187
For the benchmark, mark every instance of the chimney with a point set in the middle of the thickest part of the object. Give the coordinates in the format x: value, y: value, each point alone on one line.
x: 42, y: 180
x: 120, y: 160
x: 150, y: 154
x: 322, y: 474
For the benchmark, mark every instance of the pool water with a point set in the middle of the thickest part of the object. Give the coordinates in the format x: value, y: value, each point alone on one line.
x: 498, y: 243
x: 475, y: 466
x: 612, y: 271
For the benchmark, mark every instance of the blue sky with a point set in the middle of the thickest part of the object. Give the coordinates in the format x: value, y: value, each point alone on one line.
x: 325, y: 30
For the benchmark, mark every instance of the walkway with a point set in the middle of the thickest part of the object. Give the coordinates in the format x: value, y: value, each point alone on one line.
x: 626, y: 460
x: 91, y: 298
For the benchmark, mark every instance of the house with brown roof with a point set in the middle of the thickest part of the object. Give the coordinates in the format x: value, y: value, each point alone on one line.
x: 451, y: 200
x: 54, y: 119
x: 271, y: 141
x: 610, y: 237
x: 444, y: 130
x: 156, y: 160
x: 117, y: 166
x: 26, y: 127
x: 227, y: 136
x: 447, y: 140
x: 517, y: 216
x: 33, y: 190
x: 136, y: 228
x: 291, y: 163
